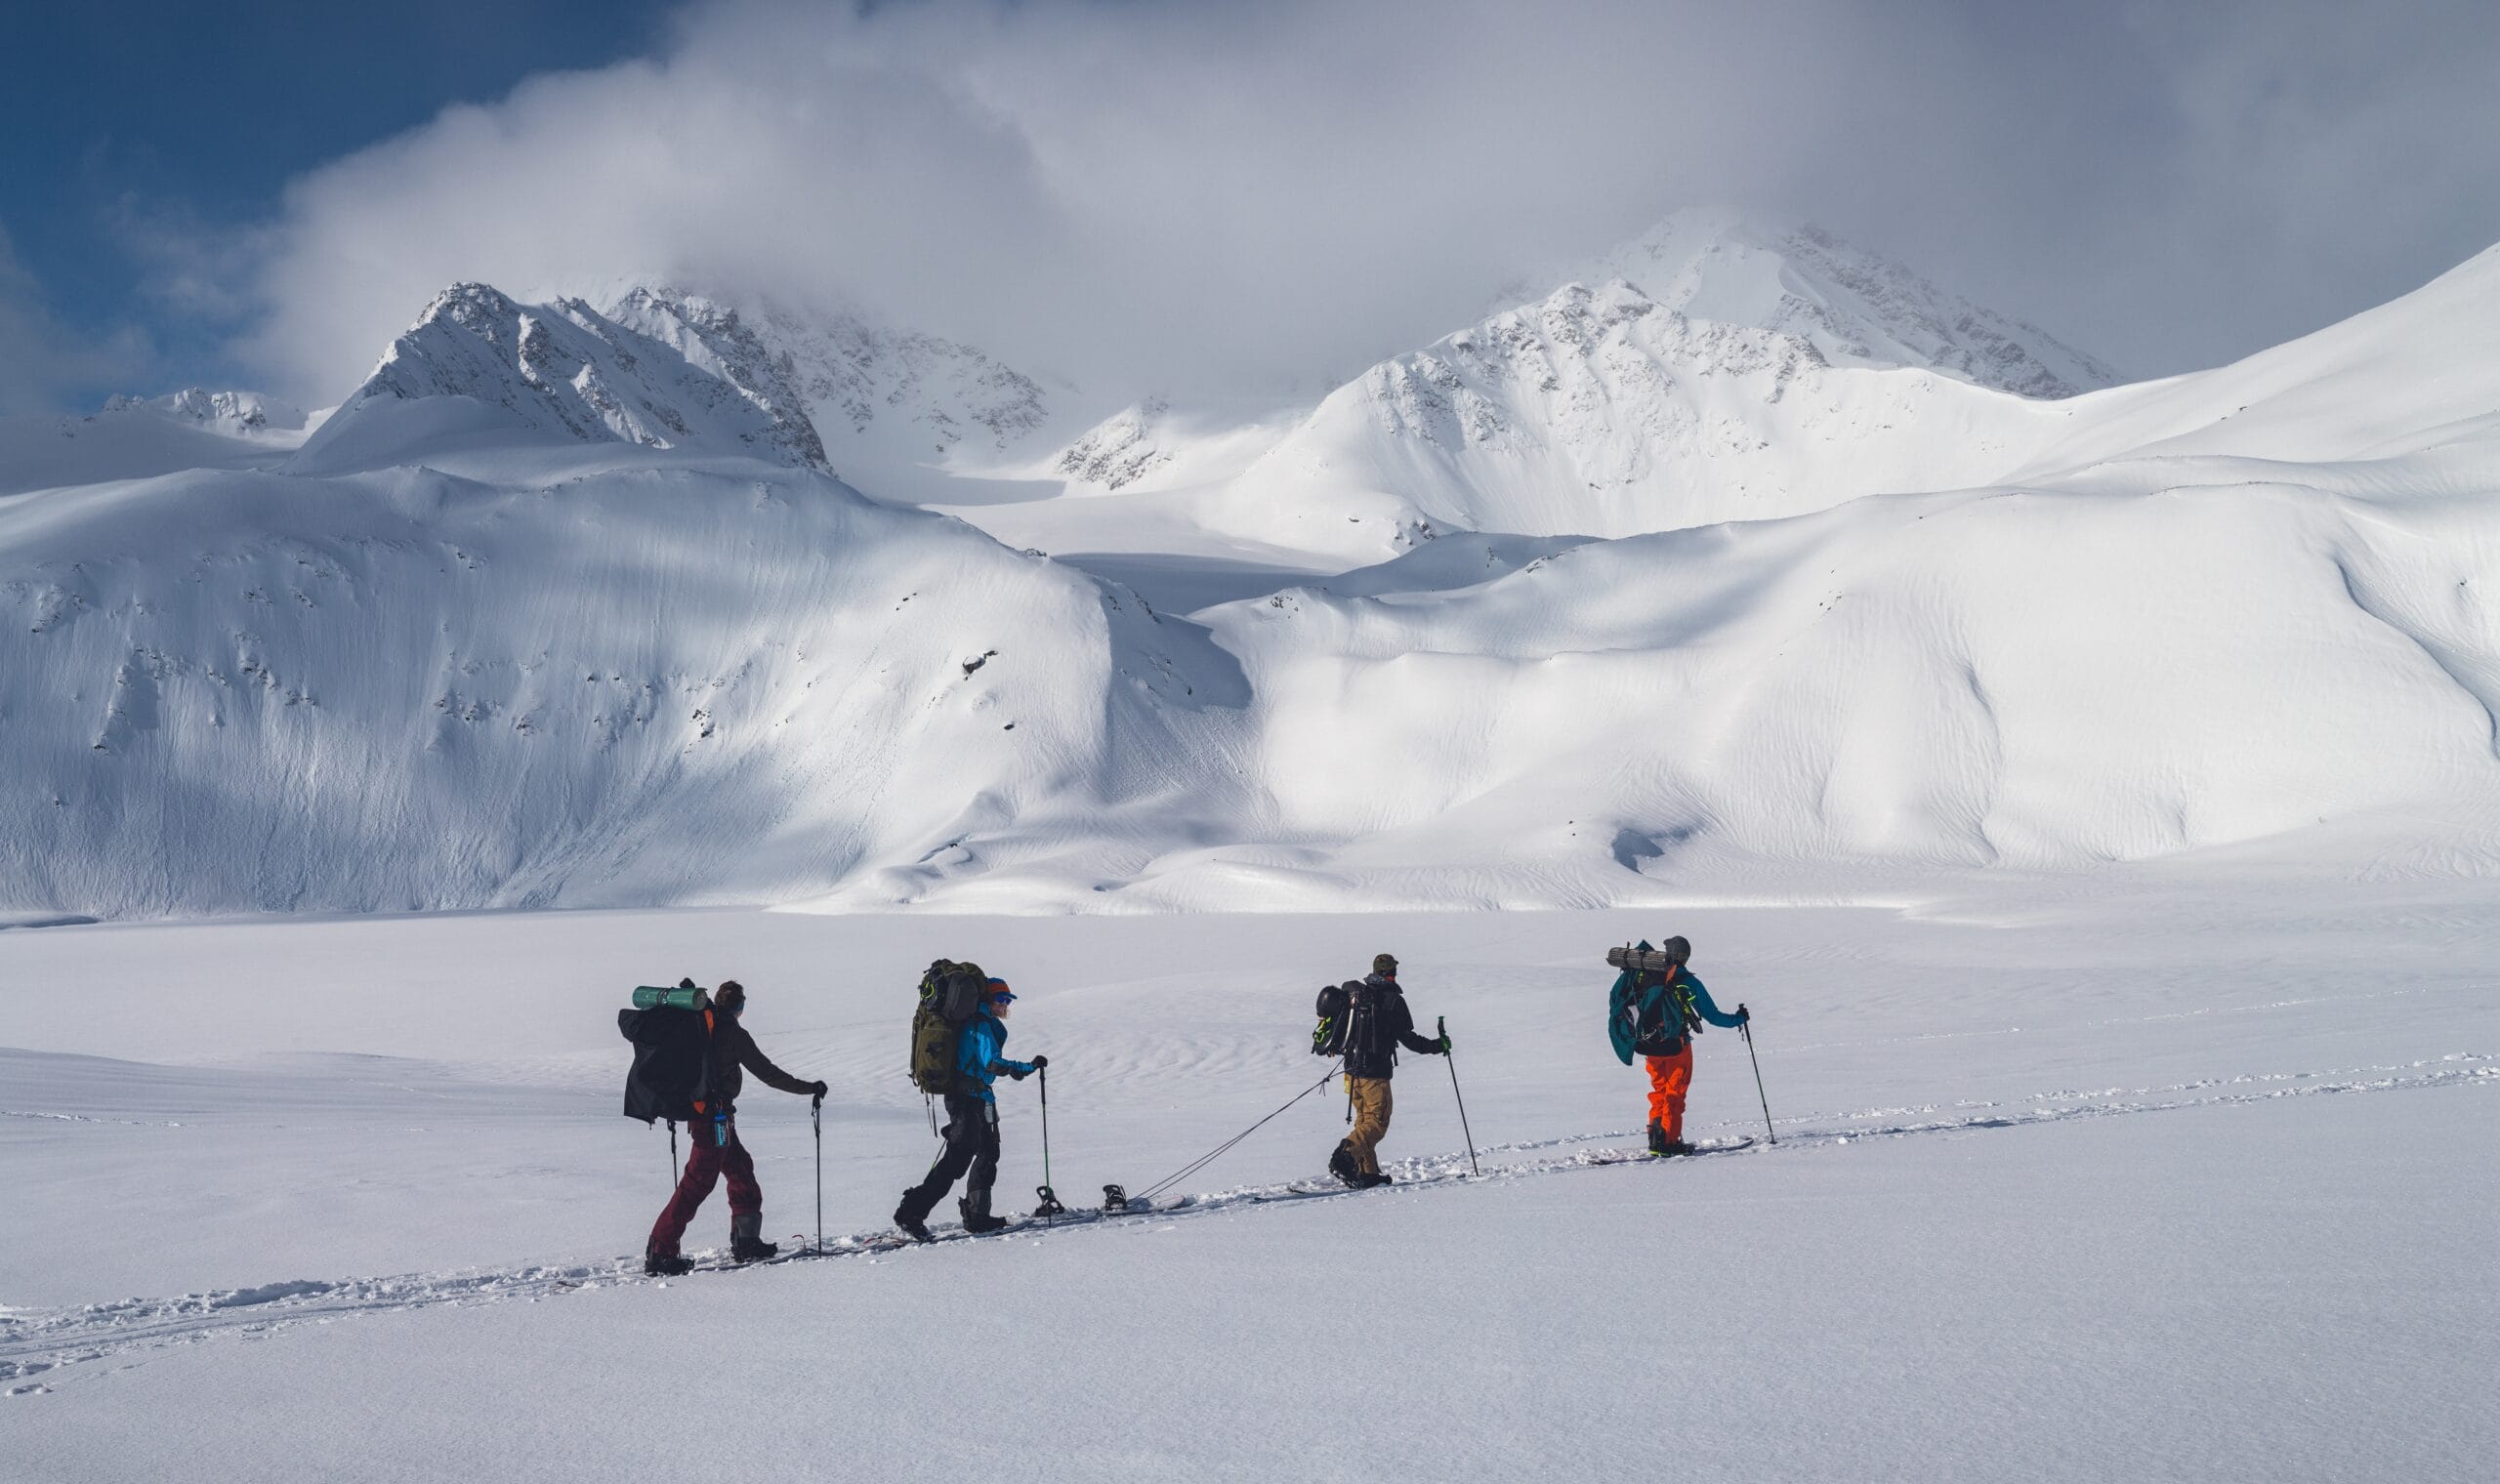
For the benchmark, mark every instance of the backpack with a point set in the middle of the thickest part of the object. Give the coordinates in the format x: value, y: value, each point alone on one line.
x: 1336, y: 1000
x: 1663, y: 1018
x: 949, y: 996
x: 672, y: 1066
x: 1649, y: 1011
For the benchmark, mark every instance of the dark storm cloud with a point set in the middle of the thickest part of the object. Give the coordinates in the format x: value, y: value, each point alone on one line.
x: 1242, y: 197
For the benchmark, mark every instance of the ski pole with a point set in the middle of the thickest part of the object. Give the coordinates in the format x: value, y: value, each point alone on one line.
x: 1746, y: 1025
x: 1048, y: 1207
x: 816, y: 1116
x: 1443, y: 1024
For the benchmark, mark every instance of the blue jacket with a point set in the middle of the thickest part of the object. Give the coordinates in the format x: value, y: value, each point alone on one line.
x: 977, y: 1054
x: 1626, y: 1006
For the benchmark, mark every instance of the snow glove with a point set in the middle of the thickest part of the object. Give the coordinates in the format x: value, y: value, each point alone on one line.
x: 1040, y: 1062
x: 817, y: 1089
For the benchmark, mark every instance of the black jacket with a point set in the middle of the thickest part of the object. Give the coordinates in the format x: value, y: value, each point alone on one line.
x: 733, y: 1048
x: 1376, y: 1025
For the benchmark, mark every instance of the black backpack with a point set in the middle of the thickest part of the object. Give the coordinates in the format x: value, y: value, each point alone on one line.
x: 672, y: 1066
x: 949, y: 996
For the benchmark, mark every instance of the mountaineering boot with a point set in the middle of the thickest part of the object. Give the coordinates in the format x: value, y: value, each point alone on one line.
x: 1657, y: 1138
x: 1342, y: 1164
x: 746, y: 1240
x: 976, y: 1211
x: 664, y: 1265
x: 911, y: 1225
x: 1374, y: 1180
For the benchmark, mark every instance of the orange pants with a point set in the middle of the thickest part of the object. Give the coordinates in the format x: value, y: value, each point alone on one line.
x: 1670, y: 1078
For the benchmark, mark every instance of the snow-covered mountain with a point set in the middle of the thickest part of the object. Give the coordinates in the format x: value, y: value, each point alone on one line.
x: 1855, y: 306
x: 1602, y: 411
x: 898, y: 411
x: 408, y: 689
x: 236, y: 414
x: 561, y: 609
x: 1712, y: 369
x: 482, y: 372
x: 135, y: 438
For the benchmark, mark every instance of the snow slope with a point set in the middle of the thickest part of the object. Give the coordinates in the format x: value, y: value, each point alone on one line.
x: 360, y: 1186
x: 1602, y: 411
x: 404, y: 689
x: 135, y: 438
x: 556, y: 611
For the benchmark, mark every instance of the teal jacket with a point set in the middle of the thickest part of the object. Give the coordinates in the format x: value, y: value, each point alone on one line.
x: 976, y: 1055
x: 1660, y: 1004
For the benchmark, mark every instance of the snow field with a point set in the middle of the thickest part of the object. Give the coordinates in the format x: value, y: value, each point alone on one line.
x: 2138, y: 1174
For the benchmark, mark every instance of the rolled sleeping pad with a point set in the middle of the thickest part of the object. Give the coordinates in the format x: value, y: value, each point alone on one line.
x: 1649, y: 959
x: 683, y: 997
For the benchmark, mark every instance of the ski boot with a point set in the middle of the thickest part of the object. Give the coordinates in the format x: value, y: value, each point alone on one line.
x: 660, y: 1264
x: 910, y: 1225
x: 746, y: 1240
x: 976, y: 1211
x: 1674, y: 1146
x: 1341, y: 1164
x: 1657, y: 1138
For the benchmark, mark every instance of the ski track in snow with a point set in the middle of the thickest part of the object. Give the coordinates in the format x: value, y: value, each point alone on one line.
x: 48, y: 1343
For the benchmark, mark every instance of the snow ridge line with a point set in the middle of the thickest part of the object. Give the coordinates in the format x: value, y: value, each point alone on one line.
x: 38, y: 1342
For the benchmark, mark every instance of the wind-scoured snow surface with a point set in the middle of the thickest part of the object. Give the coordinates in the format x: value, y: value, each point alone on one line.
x: 1603, y: 601
x: 2144, y: 1177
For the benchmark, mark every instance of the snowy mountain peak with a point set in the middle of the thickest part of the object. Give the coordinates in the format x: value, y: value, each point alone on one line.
x: 1857, y: 308
x: 479, y: 367
x: 1119, y: 450
x: 893, y: 403
x: 236, y: 414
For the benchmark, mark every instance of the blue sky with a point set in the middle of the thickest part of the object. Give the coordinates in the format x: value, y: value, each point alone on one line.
x: 1209, y: 198
x: 141, y: 117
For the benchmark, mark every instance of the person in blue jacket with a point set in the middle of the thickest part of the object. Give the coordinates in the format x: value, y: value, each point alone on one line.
x: 970, y: 1152
x: 1656, y: 1016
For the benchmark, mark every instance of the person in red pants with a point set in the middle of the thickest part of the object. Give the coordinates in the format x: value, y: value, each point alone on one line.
x: 716, y: 1149
x: 1656, y: 1016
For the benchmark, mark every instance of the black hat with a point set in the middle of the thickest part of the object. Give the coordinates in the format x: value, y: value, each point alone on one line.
x: 1384, y: 963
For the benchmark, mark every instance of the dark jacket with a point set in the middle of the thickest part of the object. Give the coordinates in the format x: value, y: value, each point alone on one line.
x: 731, y: 1049
x: 1376, y: 1025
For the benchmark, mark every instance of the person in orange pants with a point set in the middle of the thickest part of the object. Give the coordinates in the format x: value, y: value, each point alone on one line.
x: 1670, y: 1078
x: 1656, y: 1016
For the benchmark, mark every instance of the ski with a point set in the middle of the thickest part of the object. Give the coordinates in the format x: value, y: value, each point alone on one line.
x: 1644, y: 1156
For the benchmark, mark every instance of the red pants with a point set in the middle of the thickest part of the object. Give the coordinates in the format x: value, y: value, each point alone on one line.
x: 704, y: 1167
x: 1670, y: 1077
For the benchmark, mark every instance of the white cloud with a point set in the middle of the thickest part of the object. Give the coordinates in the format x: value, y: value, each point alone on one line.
x: 1237, y: 197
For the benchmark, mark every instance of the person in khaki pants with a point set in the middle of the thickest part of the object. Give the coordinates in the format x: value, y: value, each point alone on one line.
x: 1377, y: 1024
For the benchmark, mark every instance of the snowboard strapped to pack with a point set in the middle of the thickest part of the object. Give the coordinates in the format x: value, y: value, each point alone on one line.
x: 950, y: 994
x: 1336, y: 1006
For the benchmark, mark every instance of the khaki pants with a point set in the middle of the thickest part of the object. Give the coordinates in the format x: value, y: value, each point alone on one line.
x: 1370, y: 1097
